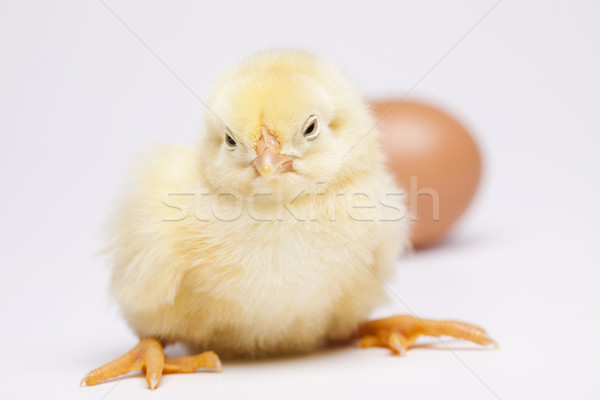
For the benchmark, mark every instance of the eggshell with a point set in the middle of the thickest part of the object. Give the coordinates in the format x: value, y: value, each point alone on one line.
x: 434, y: 159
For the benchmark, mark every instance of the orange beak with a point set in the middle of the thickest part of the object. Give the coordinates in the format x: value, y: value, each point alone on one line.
x: 269, y: 160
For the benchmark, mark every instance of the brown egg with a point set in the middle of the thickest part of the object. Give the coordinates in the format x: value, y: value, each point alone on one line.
x: 434, y: 159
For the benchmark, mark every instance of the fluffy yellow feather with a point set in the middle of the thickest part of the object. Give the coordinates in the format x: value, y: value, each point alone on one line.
x: 294, y: 280
x: 220, y: 253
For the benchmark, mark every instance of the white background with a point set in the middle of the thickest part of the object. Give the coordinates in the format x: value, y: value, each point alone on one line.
x: 80, y: 96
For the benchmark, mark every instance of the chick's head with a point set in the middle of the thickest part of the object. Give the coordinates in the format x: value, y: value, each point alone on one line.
x: 284, y: 121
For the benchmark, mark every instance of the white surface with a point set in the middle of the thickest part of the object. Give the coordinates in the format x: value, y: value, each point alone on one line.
x: 80, y: 95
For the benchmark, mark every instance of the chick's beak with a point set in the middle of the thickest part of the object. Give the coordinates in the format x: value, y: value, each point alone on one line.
x: 269, y: 161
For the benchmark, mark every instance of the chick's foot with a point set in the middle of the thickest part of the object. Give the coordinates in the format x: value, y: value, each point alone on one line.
x: 400, y: 332
x: 148, y: 355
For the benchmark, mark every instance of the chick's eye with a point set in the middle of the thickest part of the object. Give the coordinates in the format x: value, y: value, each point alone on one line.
x: 311, y: 128
x: 229, y: 140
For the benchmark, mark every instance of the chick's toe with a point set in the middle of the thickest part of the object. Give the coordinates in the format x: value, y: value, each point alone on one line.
x: 148, y: 355
x: 400, y: 332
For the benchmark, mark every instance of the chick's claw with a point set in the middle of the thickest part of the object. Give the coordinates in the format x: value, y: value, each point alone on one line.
x: 148, y: 355
x: 399, y: 333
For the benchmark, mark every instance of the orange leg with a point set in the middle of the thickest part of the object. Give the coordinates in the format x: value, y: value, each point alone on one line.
x: 148, y: 355
x: 399, y: 333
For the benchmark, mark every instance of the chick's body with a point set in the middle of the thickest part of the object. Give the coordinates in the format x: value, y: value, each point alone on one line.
x: 210, y: 253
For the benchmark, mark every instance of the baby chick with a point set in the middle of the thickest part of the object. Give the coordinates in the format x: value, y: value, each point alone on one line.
x: 271, y: 237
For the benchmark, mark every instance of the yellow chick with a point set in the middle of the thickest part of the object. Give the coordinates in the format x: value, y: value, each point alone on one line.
x: 272, y: 237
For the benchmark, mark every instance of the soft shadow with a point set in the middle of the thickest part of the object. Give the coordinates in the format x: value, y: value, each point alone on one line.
x: 320, y: 353
x: 456, y: 242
